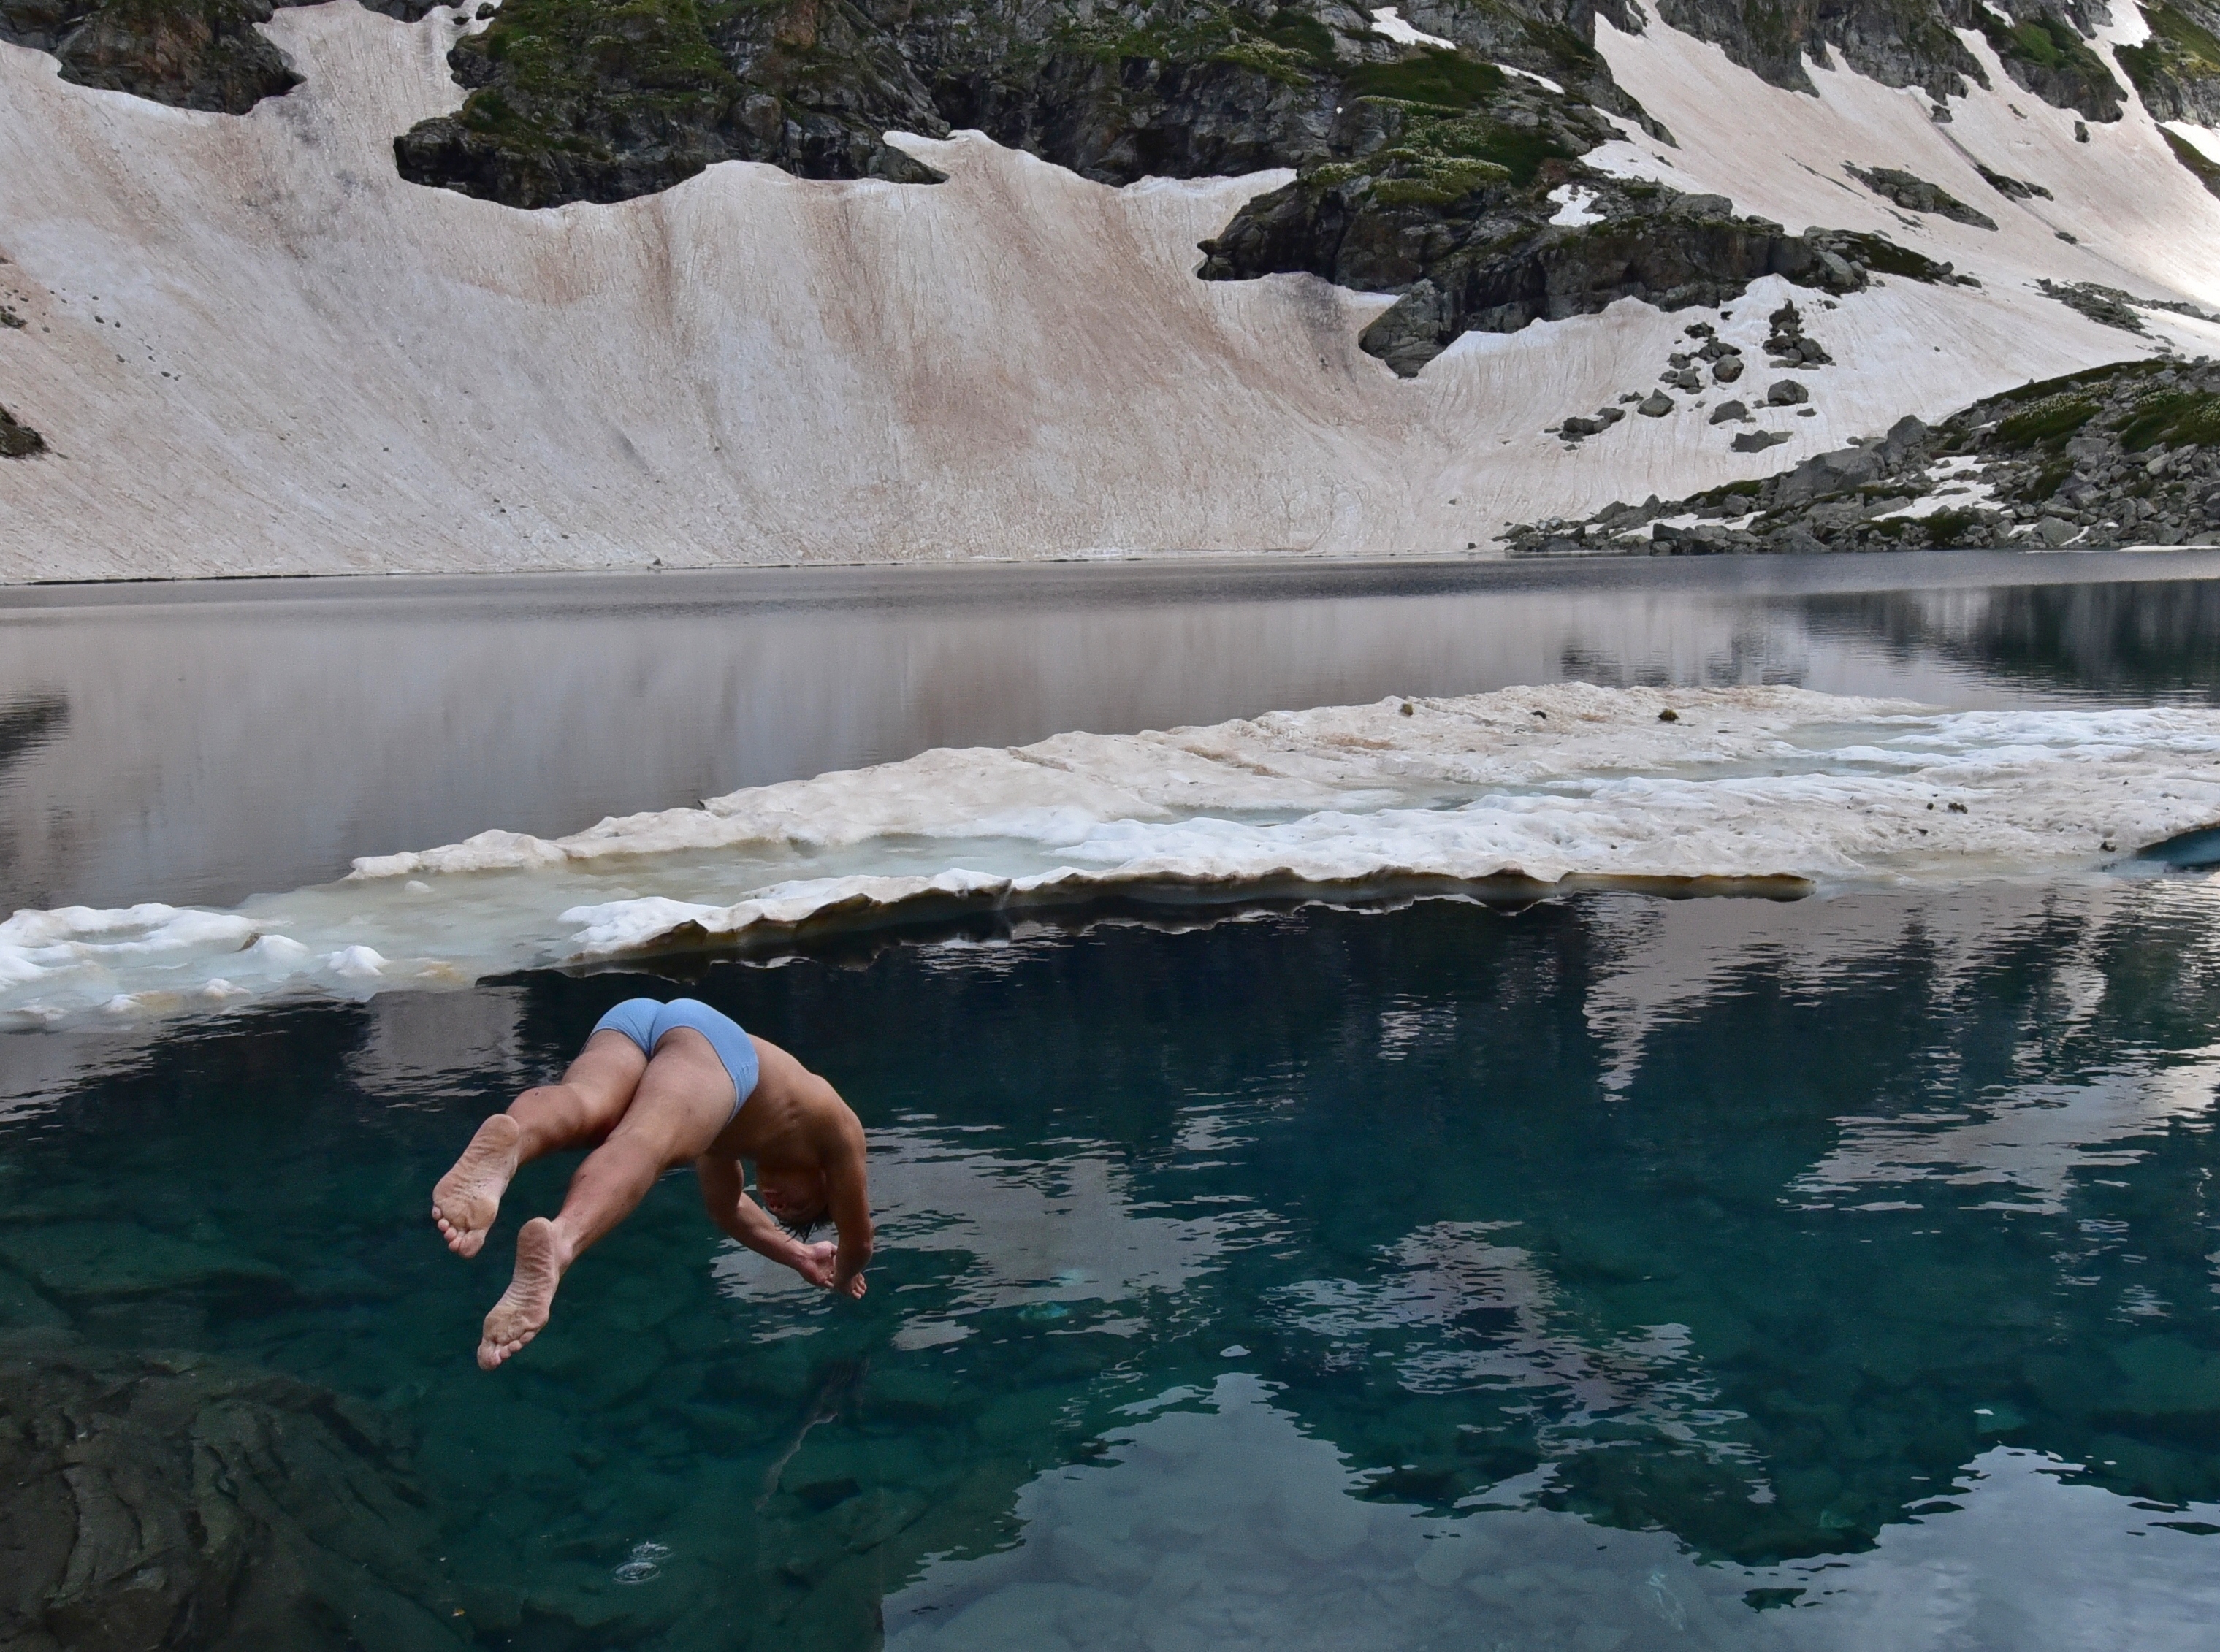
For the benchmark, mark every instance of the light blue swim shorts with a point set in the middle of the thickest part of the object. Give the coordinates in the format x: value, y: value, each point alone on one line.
x: 645, y: 1021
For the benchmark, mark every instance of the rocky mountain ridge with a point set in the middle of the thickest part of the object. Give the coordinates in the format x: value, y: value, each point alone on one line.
x: 1435, y: 166
x: 1530, y: 213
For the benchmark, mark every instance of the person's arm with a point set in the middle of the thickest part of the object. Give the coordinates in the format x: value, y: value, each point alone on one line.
x: 731, y: 1209
x: 848, y: 1202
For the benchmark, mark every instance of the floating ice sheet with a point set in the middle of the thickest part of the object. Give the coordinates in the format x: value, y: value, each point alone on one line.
x: 1763, y: 790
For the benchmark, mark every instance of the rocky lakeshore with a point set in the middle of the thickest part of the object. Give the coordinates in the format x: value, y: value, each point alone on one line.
x: 2116, y: 457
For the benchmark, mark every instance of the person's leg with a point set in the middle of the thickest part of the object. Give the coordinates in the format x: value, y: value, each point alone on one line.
x: 580, y: 1111
x: 683, y: 1102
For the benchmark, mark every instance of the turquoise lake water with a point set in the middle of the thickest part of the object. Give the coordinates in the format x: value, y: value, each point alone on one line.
x: 1614, y: 1272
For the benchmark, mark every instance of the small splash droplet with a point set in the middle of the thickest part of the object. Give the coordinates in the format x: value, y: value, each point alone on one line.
x: 642, y: 1568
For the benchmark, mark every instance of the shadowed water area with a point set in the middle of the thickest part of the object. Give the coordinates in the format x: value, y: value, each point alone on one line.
x: 1614, y: 1272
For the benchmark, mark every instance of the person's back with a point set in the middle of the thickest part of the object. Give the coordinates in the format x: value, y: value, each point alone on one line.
x: 656, y: 1086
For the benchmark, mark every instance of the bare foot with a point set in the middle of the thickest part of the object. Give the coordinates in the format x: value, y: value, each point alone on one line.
x: 541, y: 1257
x: 469, y: 1196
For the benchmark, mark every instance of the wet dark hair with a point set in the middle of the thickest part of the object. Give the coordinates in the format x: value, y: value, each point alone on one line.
x: 800, y: 1231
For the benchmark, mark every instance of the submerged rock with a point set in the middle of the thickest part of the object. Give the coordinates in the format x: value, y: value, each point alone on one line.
x: 150, y: 1501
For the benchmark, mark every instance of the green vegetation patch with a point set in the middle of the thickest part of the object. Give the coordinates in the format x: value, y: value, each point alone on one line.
x: 2047, y: 480
x: 2052, y: 420
x: 2200, y: 165
x: 557, y: 56
x: 1445, y: 79
x: 2050, y: 44
x: 1440, y: 158
x: 1948, y: 530
x: 1884, y: 256
x: 2088, y: 378
x: 2179, y: 48
x: 2171, y: 417
x: 1299, y: 32
x: 1292, y: 47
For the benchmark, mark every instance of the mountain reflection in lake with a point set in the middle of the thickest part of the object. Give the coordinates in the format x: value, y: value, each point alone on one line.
x: 221, y: 740
x: 1619, y: 1273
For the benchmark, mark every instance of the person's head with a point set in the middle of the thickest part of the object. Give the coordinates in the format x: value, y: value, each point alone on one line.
x: 795, y: 1199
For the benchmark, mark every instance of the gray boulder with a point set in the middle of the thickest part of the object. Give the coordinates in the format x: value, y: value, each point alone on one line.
x: 1824, y: 473
x: 1656, y: 405
x: 1727, y: 410
x: 1786, y: 393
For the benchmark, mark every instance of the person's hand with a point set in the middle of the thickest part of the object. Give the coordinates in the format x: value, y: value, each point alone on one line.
x: 815, y: 1264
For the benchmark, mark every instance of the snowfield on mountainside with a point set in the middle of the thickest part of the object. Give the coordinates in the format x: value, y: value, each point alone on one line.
x: 248, y: 345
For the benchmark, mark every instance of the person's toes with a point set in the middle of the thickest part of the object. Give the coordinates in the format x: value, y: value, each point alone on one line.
x: 468, y: 1197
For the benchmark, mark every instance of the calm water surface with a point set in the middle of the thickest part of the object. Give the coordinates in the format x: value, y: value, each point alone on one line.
x: 1613, y: 1273
x: 200, y: 744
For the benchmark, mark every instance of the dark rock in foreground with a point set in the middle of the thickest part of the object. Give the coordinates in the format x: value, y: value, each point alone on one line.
x: 158, y: 1502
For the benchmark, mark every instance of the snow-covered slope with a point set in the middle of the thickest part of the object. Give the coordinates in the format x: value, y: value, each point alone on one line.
x: 251, y: 347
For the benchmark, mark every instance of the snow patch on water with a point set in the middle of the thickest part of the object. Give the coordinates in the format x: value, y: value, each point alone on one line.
x: 1519, y: 793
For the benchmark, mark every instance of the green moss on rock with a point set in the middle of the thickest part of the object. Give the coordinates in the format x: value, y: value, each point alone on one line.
x: 2050, y: 420
x: 2176, y: 70
x: 2047, y: 55
x: 2172, y: 419
x: 2200, y: 165
x: 1437, y: 78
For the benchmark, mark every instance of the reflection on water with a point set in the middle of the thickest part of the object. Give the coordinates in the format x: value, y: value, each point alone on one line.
x: 1619, y: 1273
x: 223, y: 740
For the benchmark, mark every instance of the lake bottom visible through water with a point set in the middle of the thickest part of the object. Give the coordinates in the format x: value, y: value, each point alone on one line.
x: 1616, y: 1273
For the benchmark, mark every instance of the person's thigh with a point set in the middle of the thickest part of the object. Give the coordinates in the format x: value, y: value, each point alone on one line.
x: 598, y: 1086
x: 683, y: 1100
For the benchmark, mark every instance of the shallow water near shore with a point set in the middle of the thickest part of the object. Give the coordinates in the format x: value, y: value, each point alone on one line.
x: 1617, y: 1273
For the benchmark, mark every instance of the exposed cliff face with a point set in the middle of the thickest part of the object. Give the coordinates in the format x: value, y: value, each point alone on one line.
x: 571, y: 100
x: 204, y: 55
x: 2177, y: 70
x: 1480, y: 216
x: 575, y: 100
x: 1913, y: 43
